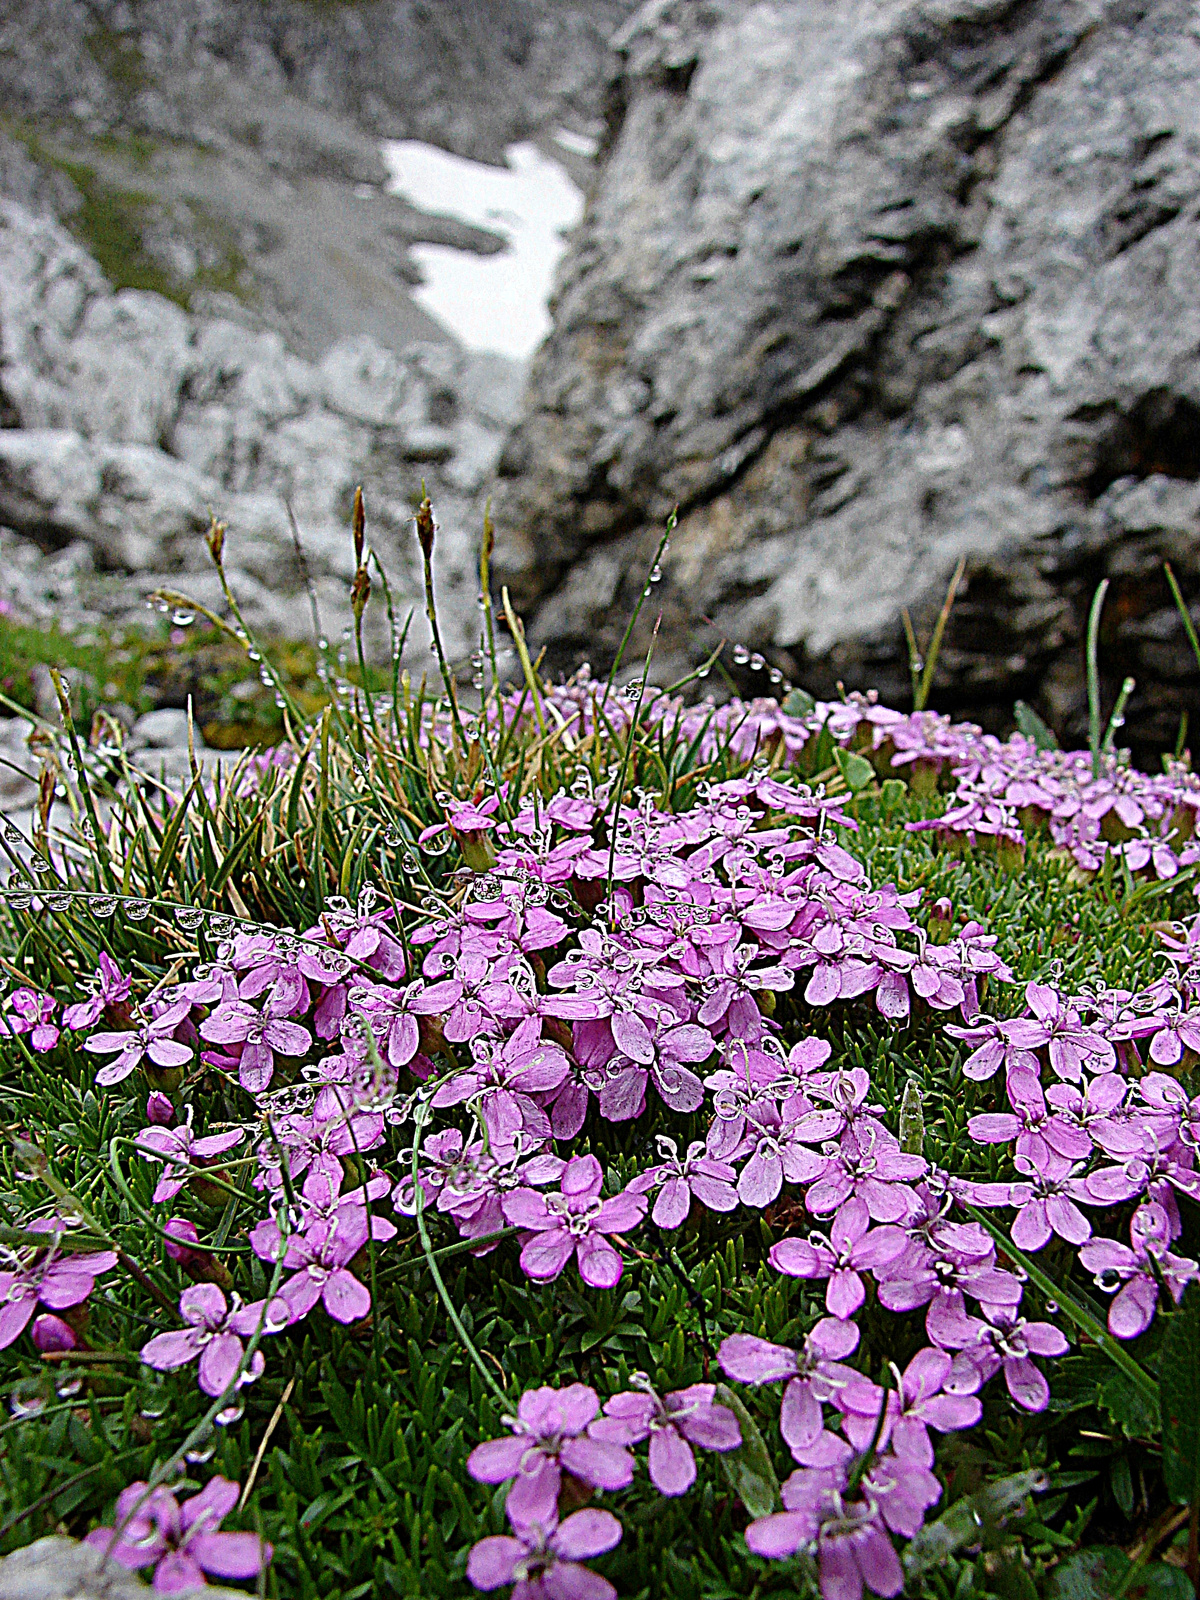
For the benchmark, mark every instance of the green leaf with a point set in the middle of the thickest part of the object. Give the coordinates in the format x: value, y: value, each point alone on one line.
x: 1101, y: 1572
x: 968, y: 1520
x: 748, y: 1468
x: 1179, y: 1397
x: 1032, y: 726
x: 798, y: 704
x: 856, y: 770
x: 1128, y: 1407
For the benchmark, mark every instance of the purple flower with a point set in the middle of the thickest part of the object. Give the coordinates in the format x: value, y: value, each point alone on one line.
x: 110, y: 987
x: 912, y: 1409
x: 550, y: 1437
x: 362, y: 929
x: 181, y: 1542
x: 696, y: 1173
x: 542, y: 1558
x: 284, y: 965
x: 54, y: 1280
x: 1036, y: 1132
x: 390, y: 1013
x: 659, y: 1059
x: 1136, y: 1273
x: 815, y: 1373
x: 870, y: 1165
x: 505, y: 1076
x: 778, y: 1147
x: 148, y: 1039
x: 1057, y: 1025
x: 30, y: 1012
x: 849, y: 1532
x: 574, y: 1223
x: 1047, y: 1206
x: 214, y: 1335
x: 1180, y: 1032
x: 673, y: 1424
x: 852, y: 1246
x: 317, y: 1260
x: 1005, y: 1340
x: 260, y: 1036
x: 178, y: 1149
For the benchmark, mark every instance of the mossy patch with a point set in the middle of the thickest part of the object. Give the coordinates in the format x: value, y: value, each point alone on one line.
x: 119, y: 56
x: 114, y: 222
x: 167, y: 667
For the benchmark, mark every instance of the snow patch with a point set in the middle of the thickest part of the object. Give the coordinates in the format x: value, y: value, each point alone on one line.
x: 498, y: 302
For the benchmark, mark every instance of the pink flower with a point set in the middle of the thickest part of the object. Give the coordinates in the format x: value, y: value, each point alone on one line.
x: 149, y: 1039
x: 1136, y: 1273
x: 29, y: 1012
x: 574, y: 1223
x: 260, y: 1037
x: 317, y: 1259
x: 110, y: 987
x: 180, y: 1152
x: 542, y: 1558
x: 695, y: 1174
x: 214, y: 1335
x: 912, y: 1409
x: 673, y: 1424
x: 181, y: 1542
x: 850, y: 1532
x: 54, y: 1280
x: 815, y: 1373
x: 550, y: 1437
x: 1005, y: 1340
x: 852, y: 1246
x: 1057, y: 1025
x: 778, y: 1149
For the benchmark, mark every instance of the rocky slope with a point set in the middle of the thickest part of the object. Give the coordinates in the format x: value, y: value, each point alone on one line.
x: 865, y: 287
x: 204, y: 288
x: 226, y: 152
x: 131, y: 419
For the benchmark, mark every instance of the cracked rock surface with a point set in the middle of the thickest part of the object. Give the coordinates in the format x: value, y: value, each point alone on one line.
x: 129, y: 418
x: 863, y: 288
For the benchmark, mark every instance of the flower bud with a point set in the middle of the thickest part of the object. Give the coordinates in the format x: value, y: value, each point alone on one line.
x: 216, y: 540
x: 51, y: 1334
x: 425, y: 527
x: 360, y: 593
x: 159, y: 1108
x: 200, y: 1265
x: 359, y: 525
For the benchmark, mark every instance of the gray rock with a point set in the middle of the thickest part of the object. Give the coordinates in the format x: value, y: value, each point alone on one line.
x: 228, y: 150
x: 131, y: 422
x: 18, y: 768
x: 863, y: 289
x: 164, y: 729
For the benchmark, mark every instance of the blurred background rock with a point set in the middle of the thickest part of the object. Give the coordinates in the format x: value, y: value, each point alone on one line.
x: 863, y: 287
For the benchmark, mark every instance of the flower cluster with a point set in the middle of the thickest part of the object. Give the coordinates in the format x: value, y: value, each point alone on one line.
x: 598, y: 962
